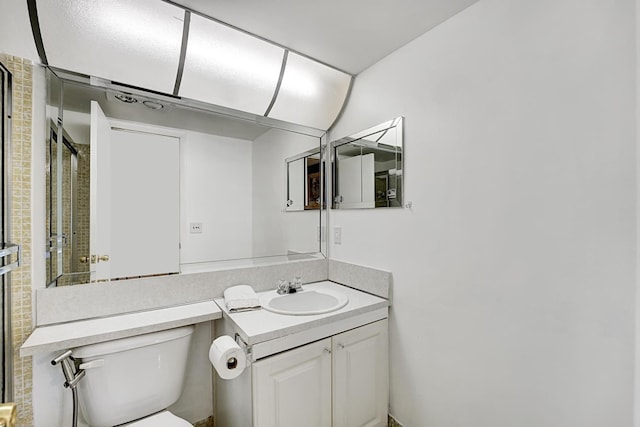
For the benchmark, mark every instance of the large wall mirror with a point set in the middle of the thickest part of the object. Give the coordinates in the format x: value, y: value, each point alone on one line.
x: 141, y: 184
x: 368, y: 168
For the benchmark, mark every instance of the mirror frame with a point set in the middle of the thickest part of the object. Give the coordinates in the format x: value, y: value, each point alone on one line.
x: 397, y: 124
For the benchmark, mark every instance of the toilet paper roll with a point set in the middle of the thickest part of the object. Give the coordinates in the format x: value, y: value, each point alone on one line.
x: 227, y: 357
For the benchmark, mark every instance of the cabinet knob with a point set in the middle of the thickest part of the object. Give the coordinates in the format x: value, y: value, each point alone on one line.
x: 326, y: 350
x: 340, y: 346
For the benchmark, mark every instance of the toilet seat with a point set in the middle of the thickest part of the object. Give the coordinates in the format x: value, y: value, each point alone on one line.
x: 161, y: 419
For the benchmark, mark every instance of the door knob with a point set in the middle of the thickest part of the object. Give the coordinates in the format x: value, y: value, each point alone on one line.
x: 97, y: 258
x: 84, y: 259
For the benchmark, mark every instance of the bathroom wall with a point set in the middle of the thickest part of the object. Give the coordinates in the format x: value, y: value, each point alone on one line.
x: 514, y: 271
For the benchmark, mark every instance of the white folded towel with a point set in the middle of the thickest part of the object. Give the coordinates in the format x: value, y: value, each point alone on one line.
x: 241, y: 298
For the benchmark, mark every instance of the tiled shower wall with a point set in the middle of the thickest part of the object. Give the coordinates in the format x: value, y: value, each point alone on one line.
x: 21, y: 318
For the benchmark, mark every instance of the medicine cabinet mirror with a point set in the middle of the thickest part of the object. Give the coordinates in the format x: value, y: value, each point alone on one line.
x: 143, y: 184
x: 368, y: 168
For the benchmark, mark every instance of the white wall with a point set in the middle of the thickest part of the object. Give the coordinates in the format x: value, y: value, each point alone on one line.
x: 215, y: 191
x: 275, y: 231
x: 514, y: 272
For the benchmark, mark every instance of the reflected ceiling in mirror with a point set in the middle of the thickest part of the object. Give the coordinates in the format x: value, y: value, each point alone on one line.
x: 368, y: 168
x: 228, y: 198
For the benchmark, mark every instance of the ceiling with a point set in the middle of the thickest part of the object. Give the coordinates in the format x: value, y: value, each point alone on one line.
x: 349, y: 35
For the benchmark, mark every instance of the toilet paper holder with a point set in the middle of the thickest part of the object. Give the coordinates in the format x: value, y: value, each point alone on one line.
x: 248, y: 351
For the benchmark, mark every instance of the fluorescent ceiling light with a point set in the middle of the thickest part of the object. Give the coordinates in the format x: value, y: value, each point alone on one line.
x: 227, y: 67
x: 311, y: 93
x: 139, y: 43
x: 133, y: 42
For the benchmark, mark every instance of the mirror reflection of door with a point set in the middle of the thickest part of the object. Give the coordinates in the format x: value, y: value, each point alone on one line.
x: 100, y: 194
x: 304, y: 181
x: 135, y: 201
x: 313, y: 186
x: 295, y: 185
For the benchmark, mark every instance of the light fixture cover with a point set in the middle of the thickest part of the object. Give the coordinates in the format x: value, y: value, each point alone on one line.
x: 227, y: 67
x: 311, y: 94
x: 133, y: 42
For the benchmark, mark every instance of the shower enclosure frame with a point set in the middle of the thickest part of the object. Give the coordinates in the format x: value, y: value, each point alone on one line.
x: 6, y: 249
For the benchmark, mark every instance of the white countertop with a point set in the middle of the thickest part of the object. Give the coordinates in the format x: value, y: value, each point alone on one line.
x: 74, y: 334
x: 254, y: 327
x: 261, y: 325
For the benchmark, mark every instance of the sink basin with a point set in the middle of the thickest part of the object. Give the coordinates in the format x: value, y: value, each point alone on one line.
x: 306, y: 302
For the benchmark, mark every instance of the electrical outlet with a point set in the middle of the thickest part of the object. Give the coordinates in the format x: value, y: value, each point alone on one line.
x: 195, y: 227
x: 337, y: 235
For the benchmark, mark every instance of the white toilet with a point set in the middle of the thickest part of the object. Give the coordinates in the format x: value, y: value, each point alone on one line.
x: 131, y: 381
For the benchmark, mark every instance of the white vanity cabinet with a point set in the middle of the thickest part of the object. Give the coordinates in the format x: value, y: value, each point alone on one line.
x: 324, y: 370
x: 340, y: 381
x: 293, y: 388
x: 360, y: 376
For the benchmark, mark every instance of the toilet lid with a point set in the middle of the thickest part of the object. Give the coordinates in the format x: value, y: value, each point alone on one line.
x: 161, y: 419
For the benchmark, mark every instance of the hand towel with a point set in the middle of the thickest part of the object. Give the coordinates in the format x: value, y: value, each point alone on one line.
x: 241, y: 298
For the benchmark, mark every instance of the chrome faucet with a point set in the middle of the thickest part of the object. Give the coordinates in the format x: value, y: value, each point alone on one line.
x: 285, y: 287
x: 296, y: 285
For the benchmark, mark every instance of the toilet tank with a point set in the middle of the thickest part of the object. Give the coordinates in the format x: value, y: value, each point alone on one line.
x: 131, y: 378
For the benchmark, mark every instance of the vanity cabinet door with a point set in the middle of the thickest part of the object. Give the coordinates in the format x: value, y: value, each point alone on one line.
x: 361, y: 376
x: 293, y: 389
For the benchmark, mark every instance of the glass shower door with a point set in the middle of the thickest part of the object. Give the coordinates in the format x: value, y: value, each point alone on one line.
x: 9, y: 253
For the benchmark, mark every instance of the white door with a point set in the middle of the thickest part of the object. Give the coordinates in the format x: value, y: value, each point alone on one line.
x: 293, y: 389
x: 100, y: 194
x: 360, y: 376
